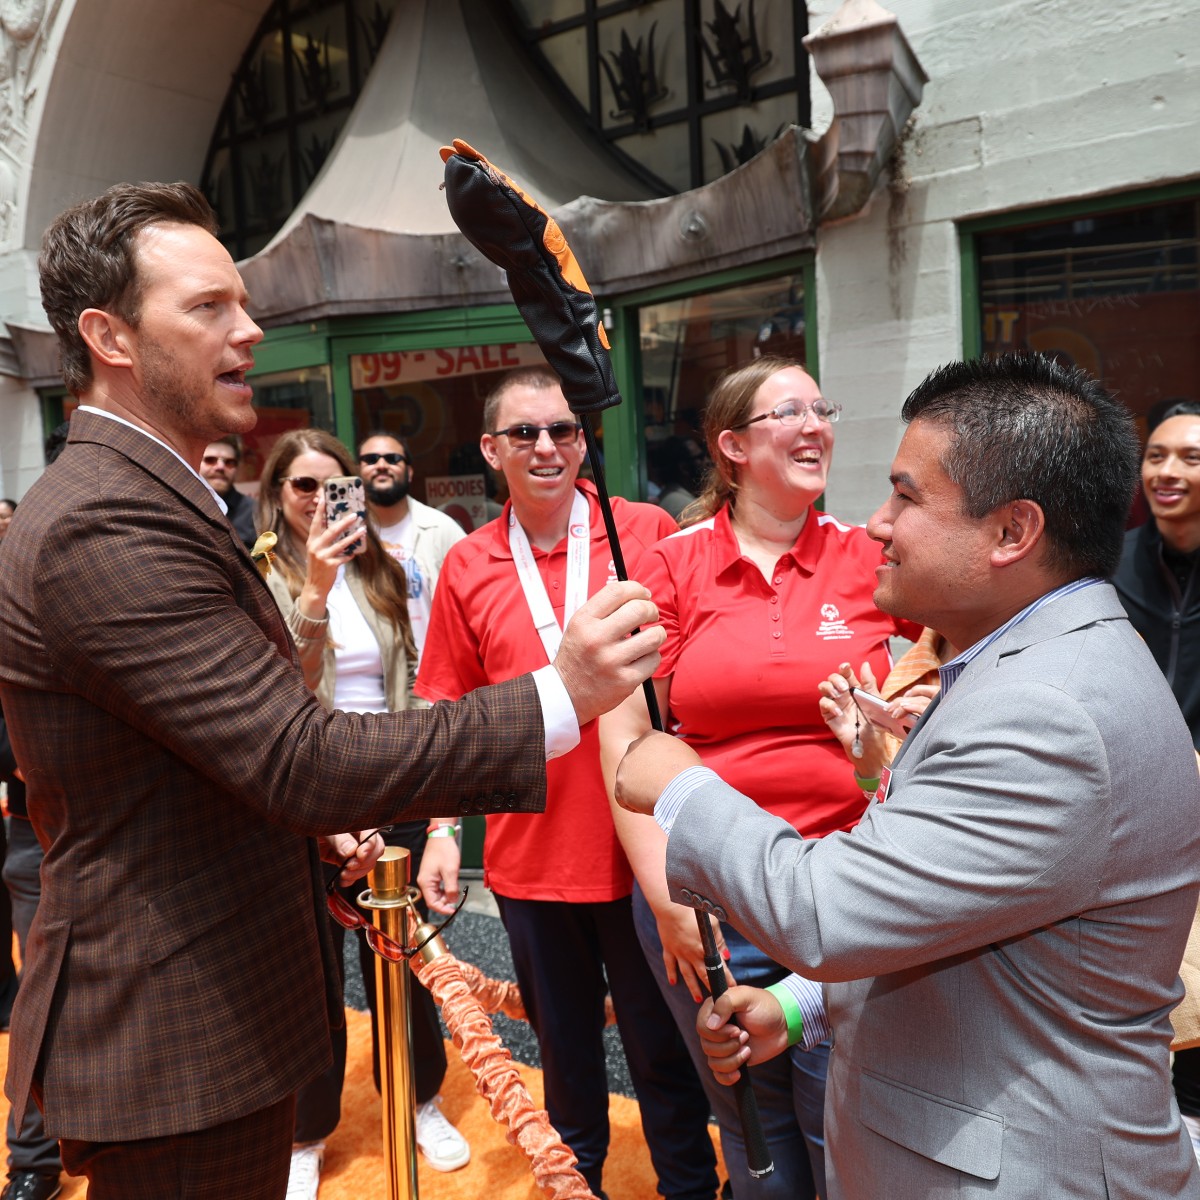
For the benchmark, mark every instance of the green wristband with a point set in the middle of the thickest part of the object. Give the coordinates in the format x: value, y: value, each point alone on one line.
x: 791, y: 1013
x: 870, y: 786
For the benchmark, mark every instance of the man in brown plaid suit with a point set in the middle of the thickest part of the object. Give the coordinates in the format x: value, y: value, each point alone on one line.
x: 178, y: 768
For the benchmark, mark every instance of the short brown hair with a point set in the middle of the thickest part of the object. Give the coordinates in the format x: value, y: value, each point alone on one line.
x: 87, y: 260
x: 729, y: 405
x: 538, y: 378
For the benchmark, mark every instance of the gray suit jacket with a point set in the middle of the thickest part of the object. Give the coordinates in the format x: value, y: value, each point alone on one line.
x: 1001, y: 936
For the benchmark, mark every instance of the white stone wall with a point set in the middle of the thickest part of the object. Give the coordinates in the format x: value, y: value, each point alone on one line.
x: 1030, y: 102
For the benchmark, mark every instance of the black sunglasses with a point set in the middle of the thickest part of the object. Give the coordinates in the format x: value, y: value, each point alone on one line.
x: 561, y: 433
x: 349, y: 917
x: 391, y: 457
x: 304, y: 484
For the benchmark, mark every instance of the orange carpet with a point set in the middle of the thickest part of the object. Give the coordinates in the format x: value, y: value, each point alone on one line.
x: 354, y: 1160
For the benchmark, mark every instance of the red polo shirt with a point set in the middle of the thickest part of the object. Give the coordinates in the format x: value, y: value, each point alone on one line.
x: 480, y: 632
x: 745, y: 655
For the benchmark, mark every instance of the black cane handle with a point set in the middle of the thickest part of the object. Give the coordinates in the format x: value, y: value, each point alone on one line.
x: 758, y: 1154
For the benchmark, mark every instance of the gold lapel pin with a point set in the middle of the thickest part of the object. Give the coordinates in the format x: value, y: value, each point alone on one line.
x: 264, y: 552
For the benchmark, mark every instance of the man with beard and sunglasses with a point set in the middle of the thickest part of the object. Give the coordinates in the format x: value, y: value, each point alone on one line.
x: 414, y: 534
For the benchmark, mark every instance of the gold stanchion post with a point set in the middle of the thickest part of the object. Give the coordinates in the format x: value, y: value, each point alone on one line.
x: 388, y: 899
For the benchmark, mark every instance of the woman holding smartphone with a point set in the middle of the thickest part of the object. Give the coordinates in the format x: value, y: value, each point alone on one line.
x: 762, y: 596
x: 345, y: 599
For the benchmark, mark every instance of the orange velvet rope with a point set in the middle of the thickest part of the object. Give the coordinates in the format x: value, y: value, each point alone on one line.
x: 497, y: 1080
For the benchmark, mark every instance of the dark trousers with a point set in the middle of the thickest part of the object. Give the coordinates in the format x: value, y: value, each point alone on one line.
x: 319, y: 1103
x: 29, y: 1149
x: 1185, y: 1074
x: 562, y: 954
x: 248, y: 1158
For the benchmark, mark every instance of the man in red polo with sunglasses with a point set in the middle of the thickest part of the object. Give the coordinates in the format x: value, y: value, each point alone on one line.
x: 561, y: 880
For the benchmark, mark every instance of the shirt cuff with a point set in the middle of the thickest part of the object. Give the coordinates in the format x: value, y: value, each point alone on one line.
x: 677, y: 792
x: 803, y: 1004
x: 558, y: 713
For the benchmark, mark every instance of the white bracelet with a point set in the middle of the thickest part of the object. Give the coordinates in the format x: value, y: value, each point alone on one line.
x: 443, y: 831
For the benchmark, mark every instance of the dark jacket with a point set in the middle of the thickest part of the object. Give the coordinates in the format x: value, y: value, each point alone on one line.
x: 1165, y: 615
x: 241, y: 516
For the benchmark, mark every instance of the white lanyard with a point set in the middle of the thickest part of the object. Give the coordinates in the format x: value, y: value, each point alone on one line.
x: 578, y: 561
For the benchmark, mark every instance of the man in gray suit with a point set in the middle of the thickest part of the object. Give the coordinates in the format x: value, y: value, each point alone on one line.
x: 999, y: 937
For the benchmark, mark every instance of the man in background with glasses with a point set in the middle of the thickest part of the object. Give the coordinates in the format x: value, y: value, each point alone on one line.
x: 219, y: 467
x: 561, y: 881
x: 181, y: 983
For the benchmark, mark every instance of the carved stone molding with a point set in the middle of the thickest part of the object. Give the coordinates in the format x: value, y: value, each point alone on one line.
x: 25, y: 27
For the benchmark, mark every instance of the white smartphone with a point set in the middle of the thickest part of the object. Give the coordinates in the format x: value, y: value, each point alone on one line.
x: 877, y: 712
x: 344, y: 494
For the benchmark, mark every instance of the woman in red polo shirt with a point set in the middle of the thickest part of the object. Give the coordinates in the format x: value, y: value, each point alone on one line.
x: 762, y: 596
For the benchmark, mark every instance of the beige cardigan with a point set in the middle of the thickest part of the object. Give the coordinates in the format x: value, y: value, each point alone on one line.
x: 317, y: 652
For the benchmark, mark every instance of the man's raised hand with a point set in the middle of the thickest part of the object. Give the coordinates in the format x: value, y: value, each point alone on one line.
x: 601, y: 659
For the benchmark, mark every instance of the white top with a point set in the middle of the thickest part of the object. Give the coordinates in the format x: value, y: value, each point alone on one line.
x: 400, y: 541
x: 358, y: 684
x: 419, y: 544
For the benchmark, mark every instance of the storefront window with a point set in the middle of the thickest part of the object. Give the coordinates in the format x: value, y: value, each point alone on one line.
x: 284, y: 400
x: 434, y: 400
x: 1117, y: 293
x: 687, y: 343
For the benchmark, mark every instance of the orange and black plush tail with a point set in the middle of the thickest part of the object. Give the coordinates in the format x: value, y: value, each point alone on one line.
x: 546, y: 282
x: 545, y: 279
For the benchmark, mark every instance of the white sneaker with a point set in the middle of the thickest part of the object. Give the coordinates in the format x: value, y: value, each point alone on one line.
x: 445, y: 1149
x: 1192, y: 1125
x: 305, y: 1176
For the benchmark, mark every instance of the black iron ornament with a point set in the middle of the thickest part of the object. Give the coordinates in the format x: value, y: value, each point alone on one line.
x: 253, y: 93
x: 374, y: 28
x: 316, y: 152
x: 634, y: 81
x: 316, y: 75
x: 266, y: 185
x: 733, y: 154
x: 733, y: 58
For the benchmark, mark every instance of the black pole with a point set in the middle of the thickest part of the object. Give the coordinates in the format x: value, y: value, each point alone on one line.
x: 758, y: 1155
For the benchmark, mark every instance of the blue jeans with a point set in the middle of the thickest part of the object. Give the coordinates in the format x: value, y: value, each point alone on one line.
x: 790, y: 1089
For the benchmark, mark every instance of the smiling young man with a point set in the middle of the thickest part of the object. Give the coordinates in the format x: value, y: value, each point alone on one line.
x: 181, y: 983
x: 1159, y: 584
x: 1000, y: 936
x: 562, y: 882
x: 1159, y: 576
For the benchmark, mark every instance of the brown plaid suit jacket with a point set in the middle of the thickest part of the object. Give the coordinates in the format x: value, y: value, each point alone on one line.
x: 180, y: 971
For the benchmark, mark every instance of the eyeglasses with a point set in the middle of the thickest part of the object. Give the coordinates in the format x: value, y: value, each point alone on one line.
x: 392, y: 457
x: 795, y: 412
x: 304, y: 484
x: 349, y: 917
x: 562, y: 433
x: 211, y: 460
